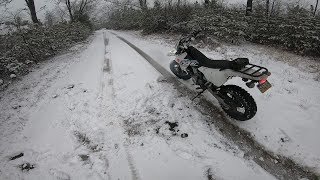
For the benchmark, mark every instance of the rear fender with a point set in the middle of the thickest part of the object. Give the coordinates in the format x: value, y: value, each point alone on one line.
x: 220, y: 77
x: 232, y: 73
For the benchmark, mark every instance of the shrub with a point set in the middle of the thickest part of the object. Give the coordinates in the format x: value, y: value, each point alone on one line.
x: 36, y: 43
x: 300, y: 34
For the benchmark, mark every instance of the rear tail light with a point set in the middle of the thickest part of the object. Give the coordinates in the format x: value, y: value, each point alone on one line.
x: 262, y: 81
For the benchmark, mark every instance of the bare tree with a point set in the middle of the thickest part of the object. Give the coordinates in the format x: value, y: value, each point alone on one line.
x: 68, y: 4
x: 316, y: 7
x: 206, y: 2
x: 32, y: 9
x: 15, y: 19
x: 276, y: 8
x: 157, y: 4
x: 77, y: 8
x: 123, y: 3
x: 49, y: 18
x: 267, y: 7
x: 272, y: 8
x: 178, y: 3
x: 249, y: 8
x: 5, y: 2
x: 143, y: 5
x: 60, y: 13
x: 169, y: 3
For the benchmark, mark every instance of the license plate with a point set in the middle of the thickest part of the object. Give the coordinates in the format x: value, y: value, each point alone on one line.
x: 264, y: 87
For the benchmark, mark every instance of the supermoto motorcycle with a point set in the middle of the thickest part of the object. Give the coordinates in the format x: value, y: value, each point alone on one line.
x: 211, y: 75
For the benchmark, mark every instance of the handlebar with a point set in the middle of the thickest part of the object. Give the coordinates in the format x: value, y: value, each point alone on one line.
x: 190, y: 37
x: 184, y: 42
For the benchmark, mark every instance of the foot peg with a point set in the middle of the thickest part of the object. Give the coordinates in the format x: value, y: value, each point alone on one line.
x: 199, y: 93
x: 201, y: 90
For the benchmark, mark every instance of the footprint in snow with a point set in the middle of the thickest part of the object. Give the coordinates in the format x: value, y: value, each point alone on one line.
x: 184, y: 155
x: 71, y: 86
x: 60, y: 175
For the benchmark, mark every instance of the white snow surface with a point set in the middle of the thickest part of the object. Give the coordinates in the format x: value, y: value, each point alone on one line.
x: 100, y: 112
x: 288, y: 118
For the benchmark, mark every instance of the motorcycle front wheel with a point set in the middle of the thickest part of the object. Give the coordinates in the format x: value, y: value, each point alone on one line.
x: 176, y: 69
x: 241, y: 105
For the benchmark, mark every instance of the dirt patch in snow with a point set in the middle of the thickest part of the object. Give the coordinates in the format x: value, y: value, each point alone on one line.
x: 84, y: 140
x: 172, y: 125
x: 25, y: 167
x: 84, y: 157
x: 209, y: 174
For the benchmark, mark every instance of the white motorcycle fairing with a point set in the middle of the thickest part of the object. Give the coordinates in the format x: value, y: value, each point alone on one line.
x: 219, y: 77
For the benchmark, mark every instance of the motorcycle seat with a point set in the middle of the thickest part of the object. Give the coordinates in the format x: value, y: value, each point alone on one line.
x: 203, y: 60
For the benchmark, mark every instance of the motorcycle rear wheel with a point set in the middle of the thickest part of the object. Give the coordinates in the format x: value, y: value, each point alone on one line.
x: 242, y: 106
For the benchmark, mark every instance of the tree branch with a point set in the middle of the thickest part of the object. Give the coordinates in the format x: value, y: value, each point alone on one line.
x: 5, y: 2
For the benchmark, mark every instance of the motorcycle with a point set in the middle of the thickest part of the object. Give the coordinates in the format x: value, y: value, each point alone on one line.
x: 211, y: 75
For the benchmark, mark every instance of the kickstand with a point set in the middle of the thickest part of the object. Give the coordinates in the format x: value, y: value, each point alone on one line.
x: 197, y: 95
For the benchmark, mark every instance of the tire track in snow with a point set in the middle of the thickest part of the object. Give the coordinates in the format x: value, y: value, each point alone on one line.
x: 279, y: 166
x: 106, y: 65
x: 108, y: 75
x: 133, y: 169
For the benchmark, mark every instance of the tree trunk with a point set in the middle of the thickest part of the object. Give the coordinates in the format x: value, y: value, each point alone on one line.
x: 33, y: 13
x: 315, y: 8
x: 206, y: 3
x: 69, y: 10
x: 249, y: 8
x: 272, y: 8
x: 267, y: 7
x: 143, y: 5
x: 83, y: 4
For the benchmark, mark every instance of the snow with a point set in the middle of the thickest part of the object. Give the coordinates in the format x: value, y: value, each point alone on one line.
x: 288, y: 115
x: 74, y: 119
x: 13, y: 76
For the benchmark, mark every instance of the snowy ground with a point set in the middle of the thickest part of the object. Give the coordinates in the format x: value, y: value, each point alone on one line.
x: 103, y: 112
x: 287, y: 121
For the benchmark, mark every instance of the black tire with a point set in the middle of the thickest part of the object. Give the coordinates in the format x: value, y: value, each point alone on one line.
x: 175, y: 68
x: 240, y: 98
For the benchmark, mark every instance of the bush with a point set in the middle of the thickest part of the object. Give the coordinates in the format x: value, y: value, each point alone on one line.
x: 36, y: 43
x: 300, y: 34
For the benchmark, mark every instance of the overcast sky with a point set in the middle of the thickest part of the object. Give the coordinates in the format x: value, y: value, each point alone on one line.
x: 48, y: 5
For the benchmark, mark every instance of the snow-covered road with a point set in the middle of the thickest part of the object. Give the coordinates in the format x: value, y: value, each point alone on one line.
x: 103, y: 112
x: 287, y: 120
